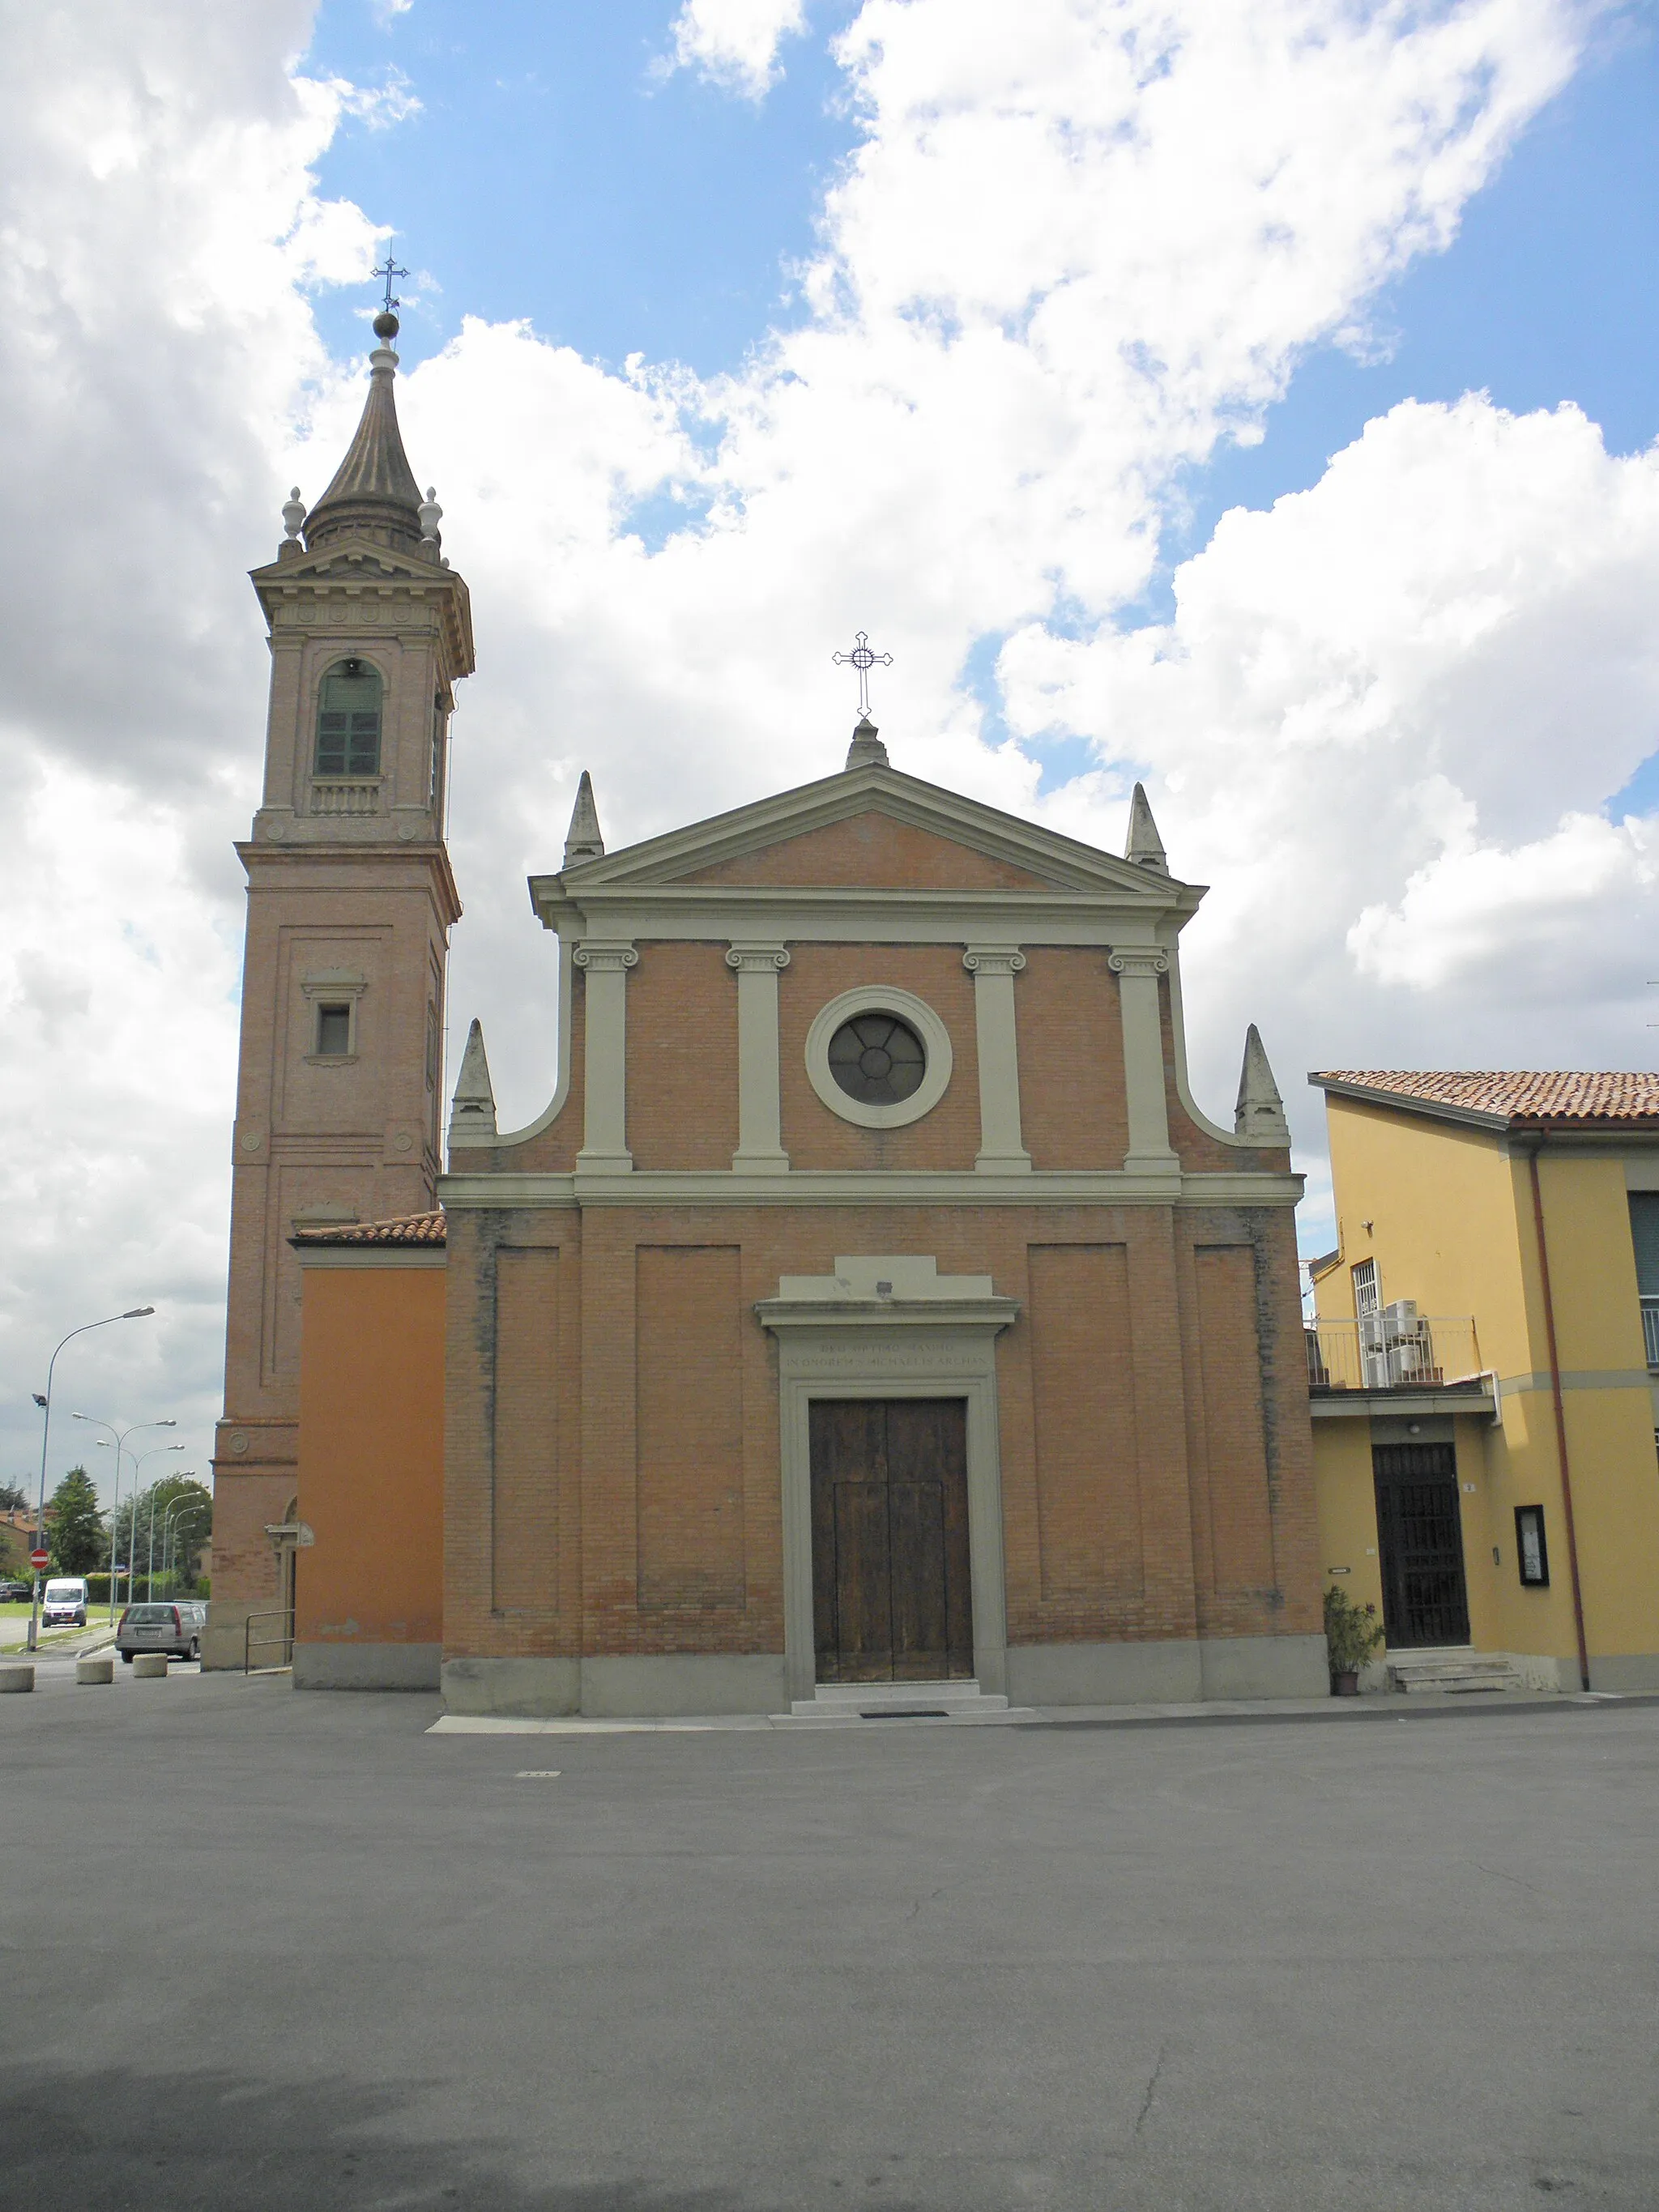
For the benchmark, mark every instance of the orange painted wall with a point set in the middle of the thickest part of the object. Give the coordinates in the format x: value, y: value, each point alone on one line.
x: 371, y: 1455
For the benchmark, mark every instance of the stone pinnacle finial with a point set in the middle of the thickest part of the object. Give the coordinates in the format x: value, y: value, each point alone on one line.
x: 293, y: 513
x: 431, y: 515
x: 472, y: 1109
x: 582, y: 840
x: 1142, y: 844
x: 1259, y: 1117
x: 866, y: 750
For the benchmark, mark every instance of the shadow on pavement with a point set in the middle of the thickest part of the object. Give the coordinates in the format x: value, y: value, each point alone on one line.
x: 214, y: 2143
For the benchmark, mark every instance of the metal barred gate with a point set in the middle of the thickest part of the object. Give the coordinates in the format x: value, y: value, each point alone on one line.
x: 1421, y: 1542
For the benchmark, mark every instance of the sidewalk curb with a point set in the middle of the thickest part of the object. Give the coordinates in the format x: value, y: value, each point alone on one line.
x: 1340, y: 1711
x: 1351, y: 1711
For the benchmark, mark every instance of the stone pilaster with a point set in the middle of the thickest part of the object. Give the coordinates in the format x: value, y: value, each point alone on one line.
x: 760, y: 1122
x: 1137, y: 969
x: 994, y: 968
x: 605, y: 964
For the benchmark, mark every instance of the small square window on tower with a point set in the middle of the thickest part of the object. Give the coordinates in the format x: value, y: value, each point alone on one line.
x: 334, y: 1032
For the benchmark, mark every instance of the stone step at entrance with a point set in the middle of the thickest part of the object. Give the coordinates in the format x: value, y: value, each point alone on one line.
x: 880, y: 1701
x: 1452, y: 1672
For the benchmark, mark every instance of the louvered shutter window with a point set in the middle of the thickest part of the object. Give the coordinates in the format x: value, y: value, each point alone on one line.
x: 348, y: 721
x: 1645, y: 1235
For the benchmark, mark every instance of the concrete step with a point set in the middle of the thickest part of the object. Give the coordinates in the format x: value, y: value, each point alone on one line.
x: 845, y: 1701
x: 1452, y: 1674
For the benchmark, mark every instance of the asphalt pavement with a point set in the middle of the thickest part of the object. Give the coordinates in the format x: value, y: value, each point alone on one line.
x: 279, y: 1950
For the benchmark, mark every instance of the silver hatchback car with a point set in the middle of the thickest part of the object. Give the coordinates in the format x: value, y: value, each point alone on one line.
x: 175, y: 1628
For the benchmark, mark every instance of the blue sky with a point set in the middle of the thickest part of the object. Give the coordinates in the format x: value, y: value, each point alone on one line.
x: 551, y: 174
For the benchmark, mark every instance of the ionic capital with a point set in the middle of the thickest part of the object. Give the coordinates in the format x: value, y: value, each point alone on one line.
x: 750, y: 957
x: 993, y: 960
x: 1138, y: 960
x: 603, y: 958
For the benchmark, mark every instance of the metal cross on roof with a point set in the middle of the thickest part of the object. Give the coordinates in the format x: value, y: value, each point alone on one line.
x: 864, y: 660
x: 390, y: 270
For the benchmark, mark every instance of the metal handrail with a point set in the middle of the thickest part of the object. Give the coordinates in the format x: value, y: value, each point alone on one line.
x: 1650, y: 1329
x: 284, y: 1641
x: 1382, y: 1351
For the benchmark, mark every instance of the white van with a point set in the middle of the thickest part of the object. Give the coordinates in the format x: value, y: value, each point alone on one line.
x: 66, y: 1601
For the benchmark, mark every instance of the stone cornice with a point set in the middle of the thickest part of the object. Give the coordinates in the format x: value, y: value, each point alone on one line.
x: 820, y: 1187
x: 733, y: 912
x: 991, y: 1313
x: 334, y: 866
x: 348, y: 570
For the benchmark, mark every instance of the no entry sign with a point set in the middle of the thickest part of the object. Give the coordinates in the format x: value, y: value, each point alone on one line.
x: 39, y: 1561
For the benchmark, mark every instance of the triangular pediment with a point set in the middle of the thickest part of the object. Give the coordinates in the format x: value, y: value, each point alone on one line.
x: 873, y: 828
x: 870, y: 851
x: 352, y: 560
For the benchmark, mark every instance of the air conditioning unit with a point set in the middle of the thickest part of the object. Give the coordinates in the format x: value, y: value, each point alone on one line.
x: 1395, y: 1347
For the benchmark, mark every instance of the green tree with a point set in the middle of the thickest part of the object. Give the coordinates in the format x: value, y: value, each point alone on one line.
x: 14, y: 1498
x: 76, y: 1535
x: 191, y: 1504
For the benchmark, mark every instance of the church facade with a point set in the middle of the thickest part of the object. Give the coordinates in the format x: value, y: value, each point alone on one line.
x: 872, y: 1315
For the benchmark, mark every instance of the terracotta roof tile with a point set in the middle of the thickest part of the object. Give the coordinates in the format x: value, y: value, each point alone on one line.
x: 1512, y: 1095
x: 413, y: 1228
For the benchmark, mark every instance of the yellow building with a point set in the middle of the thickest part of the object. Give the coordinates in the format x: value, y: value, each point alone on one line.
x: 1483, y: 1366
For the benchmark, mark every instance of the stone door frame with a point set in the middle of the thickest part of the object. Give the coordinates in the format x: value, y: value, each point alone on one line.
x: 883, y: 1348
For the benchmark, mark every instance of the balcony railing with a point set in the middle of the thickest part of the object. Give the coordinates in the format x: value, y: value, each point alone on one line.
x: 1650, y: 1331
x: 1397, y: 1349
x: 338, y: 796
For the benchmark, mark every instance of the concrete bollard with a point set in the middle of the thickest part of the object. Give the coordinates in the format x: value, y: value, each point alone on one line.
x: 14, y: 1678
x: 146, y: 1665
x: 95, y: 1669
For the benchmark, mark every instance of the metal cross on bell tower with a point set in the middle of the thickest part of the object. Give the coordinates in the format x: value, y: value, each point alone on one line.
x: 864, y: 660
x: 390, y: 270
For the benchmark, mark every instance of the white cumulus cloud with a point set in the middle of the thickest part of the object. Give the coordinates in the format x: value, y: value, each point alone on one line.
x: 735, y: 42
x: 1383, y: 721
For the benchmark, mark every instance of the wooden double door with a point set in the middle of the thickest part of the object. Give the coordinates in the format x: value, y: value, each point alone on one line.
x: 1420, y: 1537
x: 891, y: 1569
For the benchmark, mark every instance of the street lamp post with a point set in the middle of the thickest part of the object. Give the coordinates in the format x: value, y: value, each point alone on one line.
x: 120, y: 1437
x: 149, y: 1572
x: 174, y: 1530
x: 133, y: 1313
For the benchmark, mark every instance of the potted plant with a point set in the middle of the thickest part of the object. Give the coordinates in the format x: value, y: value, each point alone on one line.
x: 1352, y: 1632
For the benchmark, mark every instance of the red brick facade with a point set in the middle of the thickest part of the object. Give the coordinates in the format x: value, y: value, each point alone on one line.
x: 613, y: 1441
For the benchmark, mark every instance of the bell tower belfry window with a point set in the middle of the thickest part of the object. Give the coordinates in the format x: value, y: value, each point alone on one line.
x: 348, y: 721
x: 350, y: 903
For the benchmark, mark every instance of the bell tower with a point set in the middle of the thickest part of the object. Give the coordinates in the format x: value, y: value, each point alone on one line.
x: 350, y: 902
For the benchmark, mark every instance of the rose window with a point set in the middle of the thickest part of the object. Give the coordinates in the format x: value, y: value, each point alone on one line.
x: 878, y: 1059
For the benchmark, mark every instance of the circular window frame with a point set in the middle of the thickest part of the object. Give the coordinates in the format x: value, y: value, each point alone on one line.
x: 879, y: 998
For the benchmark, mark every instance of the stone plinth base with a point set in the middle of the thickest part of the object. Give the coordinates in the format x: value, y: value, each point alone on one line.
x: 367, y: 1666
x: 1173, y: 1672
x: 619, y: 1688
